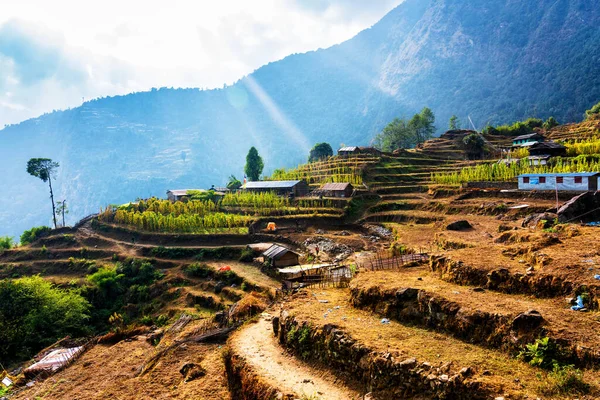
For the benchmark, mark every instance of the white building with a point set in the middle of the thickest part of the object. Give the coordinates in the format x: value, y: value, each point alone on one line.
x: 578, y: 181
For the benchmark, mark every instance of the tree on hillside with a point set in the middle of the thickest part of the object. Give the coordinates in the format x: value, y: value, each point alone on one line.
x: 550, y: 123
x: 234, y: 183
x: 319, y: 152
x: 402, y: 134
x: 474, y: 145
x: 254, y: 164
x: 423, y: 125
x: 454, y: 123
x: 62, y: 209
x: 593, y: 112
x: 44, y: 169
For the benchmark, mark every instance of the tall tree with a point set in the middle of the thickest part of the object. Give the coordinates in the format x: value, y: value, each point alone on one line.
x: 61, y: 208
x: 454, y: 123
x: 44, y: 169
x: 320, y: 151
x: 423, y: 125
x: 254, y: 164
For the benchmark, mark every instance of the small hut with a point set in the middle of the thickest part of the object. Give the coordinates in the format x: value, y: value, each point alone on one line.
x: 280, y: 256
x: 527, y: 140
x: 282, y: 188
x: 337, y: 190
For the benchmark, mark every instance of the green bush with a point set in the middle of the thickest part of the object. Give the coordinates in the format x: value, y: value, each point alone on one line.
x: 34, y: 314
x: 565, y: 380
x: 247, y: 255
x: 34, y: 233
x: 542, y: 353
x: 6, y: 242
x: 593, y: 112
x: 198, y: 271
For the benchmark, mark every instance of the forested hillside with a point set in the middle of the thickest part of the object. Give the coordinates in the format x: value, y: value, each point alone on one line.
x: 497, y: 62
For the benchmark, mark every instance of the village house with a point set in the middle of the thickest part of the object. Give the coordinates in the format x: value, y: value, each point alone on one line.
x: 354, y: 150
x: 551, y: 149
x: 340, y: 190
x: 178, y: 194
x: 578, y: 181
x: 282, y: 188
x: 280, y: 256
x: 527, y: 140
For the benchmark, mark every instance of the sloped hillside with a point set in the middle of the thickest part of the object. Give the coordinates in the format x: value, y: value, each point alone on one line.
x: 497, y: 62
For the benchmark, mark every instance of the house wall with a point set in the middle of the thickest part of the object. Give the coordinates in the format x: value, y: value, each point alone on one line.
x: 587, y: 183
x: 287, y: 260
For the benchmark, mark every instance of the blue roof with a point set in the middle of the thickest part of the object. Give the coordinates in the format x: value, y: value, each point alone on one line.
x: 271, y: 184
x: 564, y: 174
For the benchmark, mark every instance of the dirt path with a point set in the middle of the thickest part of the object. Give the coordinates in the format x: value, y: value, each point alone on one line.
x: 260, y: 348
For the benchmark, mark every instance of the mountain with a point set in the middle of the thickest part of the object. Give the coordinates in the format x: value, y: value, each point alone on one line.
x: 497, y: 61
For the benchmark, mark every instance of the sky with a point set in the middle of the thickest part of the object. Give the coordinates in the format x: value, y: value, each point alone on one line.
x: 56, y: 54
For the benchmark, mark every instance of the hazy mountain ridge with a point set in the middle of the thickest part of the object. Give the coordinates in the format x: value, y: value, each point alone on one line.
x: 498, y: 61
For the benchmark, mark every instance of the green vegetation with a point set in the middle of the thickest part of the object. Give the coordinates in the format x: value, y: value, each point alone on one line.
x: 516, y: 129
x: 319, y: 152
x: 474, y: 145
x: 335, y: 169
x: 213, y: 253
x: 503, y: 172
x: 6, y: 242
x: 62, y: 209
x: 565, y: 380
x: 254, y: 164
x: 454, y: 123
x: 252, y: 200
x: 593, y: 112
x: 550, y: 123
x: 234, y: 183
x: 33, y: 234
x: 402, y: 134
x: 44, y: 169
x: 203, y: 271
x: 542, y: 353
x: 583, y: 147
x: 34, y: 314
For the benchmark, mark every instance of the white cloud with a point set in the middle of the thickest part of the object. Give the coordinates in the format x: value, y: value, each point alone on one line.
x: 54, y: 53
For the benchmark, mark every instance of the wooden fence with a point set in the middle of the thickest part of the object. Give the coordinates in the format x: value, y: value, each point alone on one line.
x: 381, y: 262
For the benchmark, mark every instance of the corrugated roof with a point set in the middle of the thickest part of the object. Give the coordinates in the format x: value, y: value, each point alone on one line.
x: 54, y: 360
x: 182, y: 192
x: 271, y: 184
x: 528, y: 136
x: 348, y: 148
x: 277, y: 251
x: 548, y: 145
x: 564, y: 174
x: 299, y: 268
x: 335, y: 186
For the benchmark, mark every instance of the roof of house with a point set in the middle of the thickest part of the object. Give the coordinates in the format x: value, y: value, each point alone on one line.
x: 277, y: 251
x: 540, y: 157
x: 300, y: 268
x: 563, y: 174
x: 547, y: 145
x: 271, y: 184
x: 528, y: 136
x: 181, y: 192
x: 335, y: 186
x: 348, y: 148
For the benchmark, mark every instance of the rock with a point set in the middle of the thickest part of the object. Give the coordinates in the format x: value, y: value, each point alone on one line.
x: 407, y: 294
x: 461, y: 225
x: 191, y: 371
x: 408, y: 363
x: 585, y: 203
x: 479, y: 289
x: 368, y: 396
x: 539, y: 220
x: 527, y: 321
x: 443, y: 378
x: 466, y: 372
x: 487, y: 372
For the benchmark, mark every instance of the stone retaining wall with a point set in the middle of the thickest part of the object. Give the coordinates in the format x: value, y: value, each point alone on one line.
x: 245, y: 384
x: 385, y: 374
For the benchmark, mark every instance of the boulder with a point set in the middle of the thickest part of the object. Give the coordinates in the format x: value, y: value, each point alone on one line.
x: 540, y: 220
x: 527, y: 321
x: 461, y: 225
x: 581, y: 208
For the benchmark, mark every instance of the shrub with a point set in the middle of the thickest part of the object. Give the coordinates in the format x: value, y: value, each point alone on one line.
x: 197, y: 270
x: 6, y: 242
x: 565, y: 380
x: 593, y: 112
x: 247, y: 255
x: 34, y: 233
x: 542, y: 353
x: 34, y: 314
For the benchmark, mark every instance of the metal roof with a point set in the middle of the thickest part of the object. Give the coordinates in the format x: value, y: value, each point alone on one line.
x: 271, y: 184
x: 528, y: 136
x: 563, y: 174
x: 300, y: 268
x: 335, y: 186
x: 348, y: 148
x: 277, y: 251
x: 182, y: 192
x: 548, y: 145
